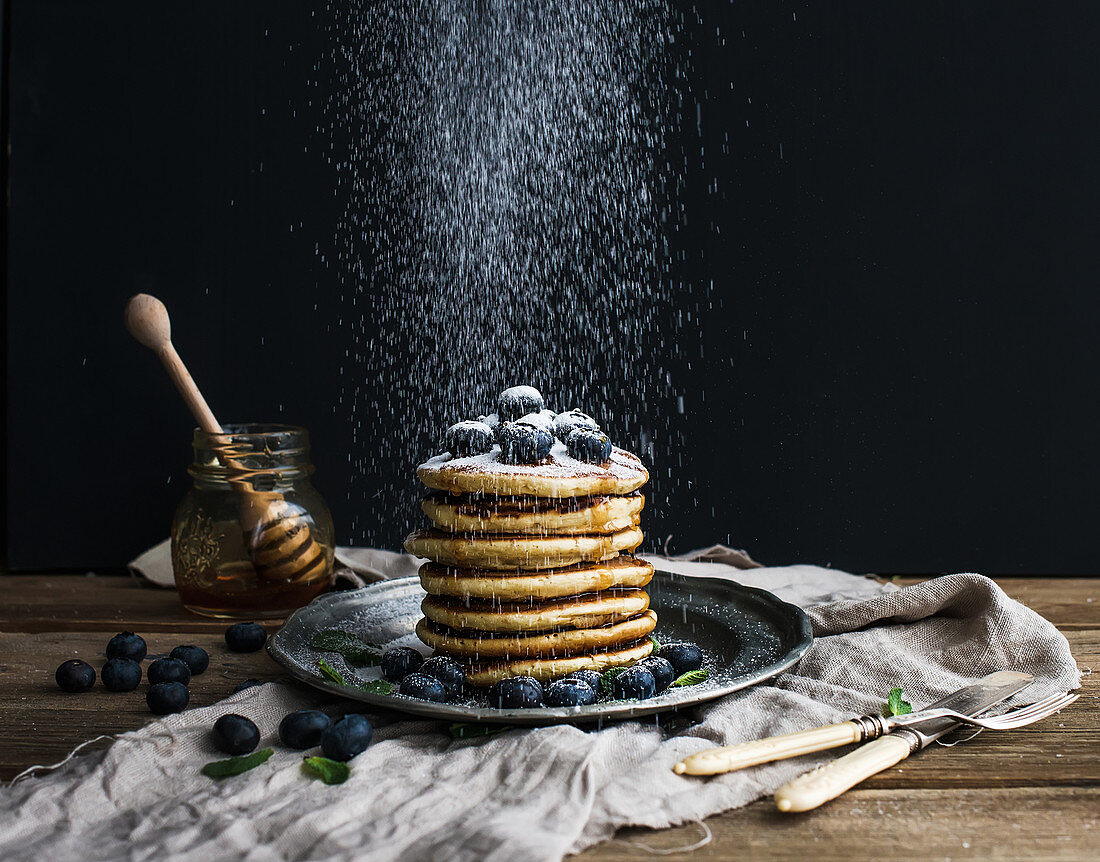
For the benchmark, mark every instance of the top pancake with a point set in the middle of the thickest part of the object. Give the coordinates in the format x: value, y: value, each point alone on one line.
x: 559, y: 475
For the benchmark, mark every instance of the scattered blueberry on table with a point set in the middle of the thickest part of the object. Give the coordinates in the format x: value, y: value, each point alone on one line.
x: 235, y: 734
x: 570, y: 692
x: 194, y: 657
x: 245, y: 637
x: 447, y: 671
x: 303, y: 729
x: 399, y: 662
x: 662, y: 670
x: 127, y: 645
x: 682, y: 656
x: 517, y: 692
x: 165, y: 698
x: 634, y: 683
x: 75, y: 676
x: 169, y: 670
x: 347, y: 737
x: 423, y: 687
x: 121, y: 674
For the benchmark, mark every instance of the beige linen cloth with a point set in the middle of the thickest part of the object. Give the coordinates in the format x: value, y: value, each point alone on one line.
x: 531, y: 794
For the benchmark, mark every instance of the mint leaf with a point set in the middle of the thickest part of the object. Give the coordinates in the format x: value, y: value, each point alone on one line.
x: 329, y: 771
x: 353, y: 650
x: 465, y: 730
x: 375, y: 686
x: 895, y: 705
x: 236, y: 765
x: 656, y: 645
x: 692, y: 677
x: 329, y: 672
x: 607, y: 678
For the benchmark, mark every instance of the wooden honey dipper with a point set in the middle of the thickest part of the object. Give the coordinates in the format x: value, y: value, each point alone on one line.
x: 279, y: 539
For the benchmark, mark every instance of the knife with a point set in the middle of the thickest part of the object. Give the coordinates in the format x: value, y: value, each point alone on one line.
x: 829, y: 781
x: 989, y: 690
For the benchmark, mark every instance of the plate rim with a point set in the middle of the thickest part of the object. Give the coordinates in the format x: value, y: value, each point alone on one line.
x: 548, y: 715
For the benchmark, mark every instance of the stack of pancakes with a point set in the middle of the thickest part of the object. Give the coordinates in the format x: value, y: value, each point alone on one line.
x: 531, y: 570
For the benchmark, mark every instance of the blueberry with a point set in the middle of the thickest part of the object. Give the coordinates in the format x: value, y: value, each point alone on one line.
x: 167, y: 697
x: 169, y: 670
x: 570, y: 692
x: 521, y: 443
x: 468, y: 438
x: 517, y: 692
x: 74, y: 676
x: 346, y: 738
x: 303, y: 729
x: 519, y: 401
x: 447, y: 671
x: 121, y: 674
x: 399, y: 662
x: 544, y: 419
x: 592, y: 677
x: 634, y: 683
x: 591, y: 446
x: 248, y: 683
x: 566, y: 423
x: 682, y: 656
x: 493, y: 421
x: 194, y: 657
x: 235, y: 734
x: 662, y: 670
x: 245, y: 637
x: 127, y: 645
x: 424, y: 687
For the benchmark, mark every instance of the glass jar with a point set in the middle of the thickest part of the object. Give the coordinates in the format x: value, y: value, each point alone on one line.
x: 252, y: 538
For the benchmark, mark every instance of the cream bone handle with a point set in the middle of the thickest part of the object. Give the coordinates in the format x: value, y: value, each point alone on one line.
x: 829, y: 781
x: 729, y: 758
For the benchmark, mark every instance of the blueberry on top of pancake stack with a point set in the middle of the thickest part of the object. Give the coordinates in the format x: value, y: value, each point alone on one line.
x: 535, y: 519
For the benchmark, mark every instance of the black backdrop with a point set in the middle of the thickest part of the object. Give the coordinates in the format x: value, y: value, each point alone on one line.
x: 902, y: 377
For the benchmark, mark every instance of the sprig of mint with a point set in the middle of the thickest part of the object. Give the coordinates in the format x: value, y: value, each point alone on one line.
x: 329, y: 771
x: 607, y: 678
x: 895, y: 705
x: 329, y: 672
x: 656, y: 644
x: 692, y: 677
x: 466, y: 730
x: 373, y: 686
x: 236, y: 765
x: 353, y: 650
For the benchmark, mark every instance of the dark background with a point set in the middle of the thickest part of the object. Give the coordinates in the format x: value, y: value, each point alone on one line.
x: 901, y: 376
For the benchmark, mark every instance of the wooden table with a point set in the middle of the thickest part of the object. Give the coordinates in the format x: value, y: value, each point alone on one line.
x: 1032, y: 793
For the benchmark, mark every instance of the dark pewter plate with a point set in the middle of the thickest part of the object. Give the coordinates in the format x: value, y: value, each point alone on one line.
x: 747, y: 635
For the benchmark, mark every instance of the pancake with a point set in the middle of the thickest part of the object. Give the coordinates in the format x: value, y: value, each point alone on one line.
x: 477, y: 645
x: 559, y: 475
x: 581, y: 612
x: 439, y: 580
x: 547, y: 669
x: 463, y: 513
x: 519, y: 552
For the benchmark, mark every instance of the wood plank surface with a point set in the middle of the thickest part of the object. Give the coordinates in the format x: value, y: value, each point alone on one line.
x: 1032, y: 793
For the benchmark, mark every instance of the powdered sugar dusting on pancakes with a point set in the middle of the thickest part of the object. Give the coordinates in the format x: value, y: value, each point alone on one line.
x: 623, y: 465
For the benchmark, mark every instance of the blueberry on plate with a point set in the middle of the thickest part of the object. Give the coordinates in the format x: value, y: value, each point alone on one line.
x: 468, y: 438
x: 519, y: 401
x: 423, y: 687
x: 169, y: 670
x: 592, y: 677
x: 517, y: 692
x: 346, y: 738
x: 165, y: 698
x: 127, y: 645
x: 570, y: 692
x: 303, y: 729
x: 521, y: 443
x: 399, y: 662
x: 634, y: 683
x: 194, y: 657
x: 245, y: 637
x: 74, y: 676
x: 566, y: 423
x: 235, y: 734
x: 121, y: 674
x: 447, y: 671
x: 247, y: 683
x: 682, y: 656
x: 591, y: 446
x: 662, y: 670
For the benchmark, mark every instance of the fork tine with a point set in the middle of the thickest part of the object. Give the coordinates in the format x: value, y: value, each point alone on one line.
x: 1032, y: 713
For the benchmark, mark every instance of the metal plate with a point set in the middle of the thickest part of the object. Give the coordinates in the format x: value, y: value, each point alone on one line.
x: 747, y: 636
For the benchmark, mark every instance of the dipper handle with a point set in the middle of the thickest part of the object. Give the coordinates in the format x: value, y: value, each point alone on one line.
x: 147, y: 319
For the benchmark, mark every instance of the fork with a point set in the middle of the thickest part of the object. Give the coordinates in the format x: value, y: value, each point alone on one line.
x: 729, y: 758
